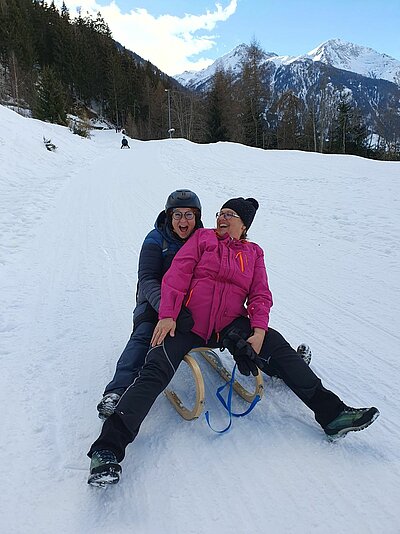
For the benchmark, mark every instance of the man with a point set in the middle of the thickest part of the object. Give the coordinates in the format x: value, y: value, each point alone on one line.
x: 173, y: 227
x: 125, y: 143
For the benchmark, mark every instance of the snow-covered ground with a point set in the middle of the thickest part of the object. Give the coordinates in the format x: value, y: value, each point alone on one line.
x: 71, y: 226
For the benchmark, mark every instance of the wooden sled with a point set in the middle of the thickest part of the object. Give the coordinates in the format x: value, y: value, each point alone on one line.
x: 215, y: 361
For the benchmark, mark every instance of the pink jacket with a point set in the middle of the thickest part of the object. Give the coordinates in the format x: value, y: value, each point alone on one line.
x: 214, y: 277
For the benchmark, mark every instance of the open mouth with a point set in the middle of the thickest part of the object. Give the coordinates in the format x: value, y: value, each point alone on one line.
x: 184, y: 229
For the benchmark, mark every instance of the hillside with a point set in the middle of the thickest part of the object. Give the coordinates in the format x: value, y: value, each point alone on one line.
x: 72, y: 223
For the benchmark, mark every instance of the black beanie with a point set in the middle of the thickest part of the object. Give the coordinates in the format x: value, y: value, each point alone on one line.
x: 245, y: 208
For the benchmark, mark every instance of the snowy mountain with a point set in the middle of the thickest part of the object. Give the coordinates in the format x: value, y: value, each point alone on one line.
x: 335, y: 53
x: 336, y: 67
x: 72, y: 223
x: 359, y: 59
x: 231, y: 61
x: 200, y: 79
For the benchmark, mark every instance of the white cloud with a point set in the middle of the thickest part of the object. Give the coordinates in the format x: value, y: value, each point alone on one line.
x: 167, y: 41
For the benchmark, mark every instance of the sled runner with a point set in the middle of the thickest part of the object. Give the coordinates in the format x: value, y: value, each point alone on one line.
x: 215, y: 361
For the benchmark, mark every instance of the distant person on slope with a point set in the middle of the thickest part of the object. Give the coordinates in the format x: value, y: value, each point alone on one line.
x: 173, y: 227
x: 215, y: 274
x: 124, y: 143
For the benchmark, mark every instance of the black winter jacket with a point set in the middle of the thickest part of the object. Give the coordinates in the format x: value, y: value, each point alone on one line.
x: 156, y: 255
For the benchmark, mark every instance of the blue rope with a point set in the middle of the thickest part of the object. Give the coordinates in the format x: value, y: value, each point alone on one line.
x: 228, y: 404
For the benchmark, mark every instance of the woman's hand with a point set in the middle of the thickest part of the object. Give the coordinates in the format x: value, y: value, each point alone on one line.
x: 163, y: 327
x: 257, y: 339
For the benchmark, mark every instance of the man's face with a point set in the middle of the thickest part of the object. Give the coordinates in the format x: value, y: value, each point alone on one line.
x: 183, y: 222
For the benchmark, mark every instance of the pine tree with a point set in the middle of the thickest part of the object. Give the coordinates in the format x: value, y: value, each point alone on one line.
x: 50, y: 104
x: 101, y: 27
x: 388, y: 129
x: 350, y: 133
x: 253, y: 95
x: 310, y: 137
x: 218, y: 104
x: 344, y: 109
x: 65, y: 12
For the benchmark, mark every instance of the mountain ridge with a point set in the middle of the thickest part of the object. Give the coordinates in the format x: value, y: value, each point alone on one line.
x: 336, y: 53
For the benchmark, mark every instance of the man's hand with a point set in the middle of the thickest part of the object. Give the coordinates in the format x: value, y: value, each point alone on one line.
x: 242, y: 352
x: 163, y: 328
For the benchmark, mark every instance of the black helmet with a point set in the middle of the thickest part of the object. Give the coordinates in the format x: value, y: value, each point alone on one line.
x: 183, y: 198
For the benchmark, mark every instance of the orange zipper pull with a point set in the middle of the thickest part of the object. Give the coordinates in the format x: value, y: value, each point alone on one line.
x: 239, y: 254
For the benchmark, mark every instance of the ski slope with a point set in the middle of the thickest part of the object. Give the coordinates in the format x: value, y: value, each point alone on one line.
x: 71, y: 227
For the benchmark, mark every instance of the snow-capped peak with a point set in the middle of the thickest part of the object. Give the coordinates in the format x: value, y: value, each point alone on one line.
x: 355, y: 58
x: 230, y: 61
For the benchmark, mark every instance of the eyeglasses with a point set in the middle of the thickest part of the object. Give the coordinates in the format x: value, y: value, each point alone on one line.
x: 226, y: 215
x: 177, y: 215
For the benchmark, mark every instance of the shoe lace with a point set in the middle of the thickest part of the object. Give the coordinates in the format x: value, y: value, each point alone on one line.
x: 349, y: 409
x: 111, y: 398
x: 302, y: 349
x: 106, y: 457
x: 109, y: 401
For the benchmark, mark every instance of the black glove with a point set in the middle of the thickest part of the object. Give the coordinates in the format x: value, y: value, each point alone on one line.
x: 242, y: 352
x: 184, y: 321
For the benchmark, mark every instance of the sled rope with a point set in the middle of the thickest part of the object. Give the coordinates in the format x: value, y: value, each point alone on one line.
x: 227, y: 404
x: 215, y: 362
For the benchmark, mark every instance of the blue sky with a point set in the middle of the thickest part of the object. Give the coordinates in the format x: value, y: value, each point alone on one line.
x: 179, y: 35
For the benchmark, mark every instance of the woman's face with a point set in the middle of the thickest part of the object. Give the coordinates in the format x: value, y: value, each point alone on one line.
x: 182, y: 224
x: 229, y: 221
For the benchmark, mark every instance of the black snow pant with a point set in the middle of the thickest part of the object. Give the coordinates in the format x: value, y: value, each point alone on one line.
x: 162, y: 362
x: 132, y: 358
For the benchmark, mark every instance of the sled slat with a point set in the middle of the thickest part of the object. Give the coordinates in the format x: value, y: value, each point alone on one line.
x: 186, y: 413
x: 214, y: 360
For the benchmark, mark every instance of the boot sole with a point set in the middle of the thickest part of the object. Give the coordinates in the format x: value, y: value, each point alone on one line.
x: 345, y: 431
x: 111, y: 476
x: 305, y: 354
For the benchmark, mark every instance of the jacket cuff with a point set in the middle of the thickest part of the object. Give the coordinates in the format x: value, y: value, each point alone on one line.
x: 165, y: 314
x: 259, y: 324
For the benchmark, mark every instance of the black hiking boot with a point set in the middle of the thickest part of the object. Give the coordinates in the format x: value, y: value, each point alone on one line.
x: 104, y: 469
x: 305, y: 352
x: 351, y: 420
x: 107, y: 405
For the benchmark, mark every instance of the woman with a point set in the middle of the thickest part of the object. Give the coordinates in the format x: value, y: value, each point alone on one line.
x: 173, y: 227
x: 214, y: 275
